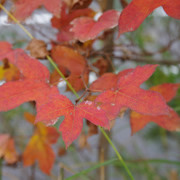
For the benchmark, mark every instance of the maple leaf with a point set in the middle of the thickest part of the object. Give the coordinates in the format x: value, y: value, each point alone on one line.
x: 7, y: 149
x: 135, y: 13
x: 17, y: 92
x: 170, y: 122
x: 128, y: 94
x: 86, y: 28
x: 70, y: 59
x: 32, y: 86
x: 74, y: 114
x: 39, y: 146
x: 63, y: 23
x: 24, y: 8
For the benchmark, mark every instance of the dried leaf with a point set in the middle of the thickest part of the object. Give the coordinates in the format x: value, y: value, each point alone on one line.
x: 38, y: 49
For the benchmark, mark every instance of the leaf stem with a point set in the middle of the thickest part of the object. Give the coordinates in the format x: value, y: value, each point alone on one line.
x: 117, y: 153
x: 16, y: 21
x: 69, y: 85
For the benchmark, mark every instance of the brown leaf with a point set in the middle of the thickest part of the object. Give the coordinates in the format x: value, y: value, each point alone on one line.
x: 38, y: 49
x: 102, y: 65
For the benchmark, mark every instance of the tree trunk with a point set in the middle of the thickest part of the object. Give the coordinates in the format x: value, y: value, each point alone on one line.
x: 103, y: 143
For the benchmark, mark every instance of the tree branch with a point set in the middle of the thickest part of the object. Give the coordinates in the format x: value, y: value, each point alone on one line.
x: 167, y: 62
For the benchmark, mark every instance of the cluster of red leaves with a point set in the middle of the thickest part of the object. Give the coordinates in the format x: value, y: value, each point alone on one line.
x: 49, y: 103
x: 31, y: 81
x: 79, y: 23
x: 121, y: 90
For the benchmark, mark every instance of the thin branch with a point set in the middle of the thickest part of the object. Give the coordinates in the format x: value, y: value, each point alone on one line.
x: 147, y: 60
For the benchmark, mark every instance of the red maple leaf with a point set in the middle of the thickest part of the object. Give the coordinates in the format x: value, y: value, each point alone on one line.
x: 135, y: 13
x: 49, y: 103
x: 128, y: 94
x: 74, y: 114
x: 24, y: 8
x: 170, y: 121
x: 86, y: 28
x: 33, y: 84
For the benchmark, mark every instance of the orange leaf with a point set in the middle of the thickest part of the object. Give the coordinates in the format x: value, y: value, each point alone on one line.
x: 9, y: 72
x: 40, y: 150
x: 70, y: 59
x: 39, y: 147
x: 7, y: 149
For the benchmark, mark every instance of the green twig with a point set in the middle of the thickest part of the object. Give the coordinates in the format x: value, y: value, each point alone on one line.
x: 62, y: 75
x: 117, y: 153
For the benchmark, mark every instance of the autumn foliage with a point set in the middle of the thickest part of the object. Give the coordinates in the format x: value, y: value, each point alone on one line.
x: 26, y: 79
